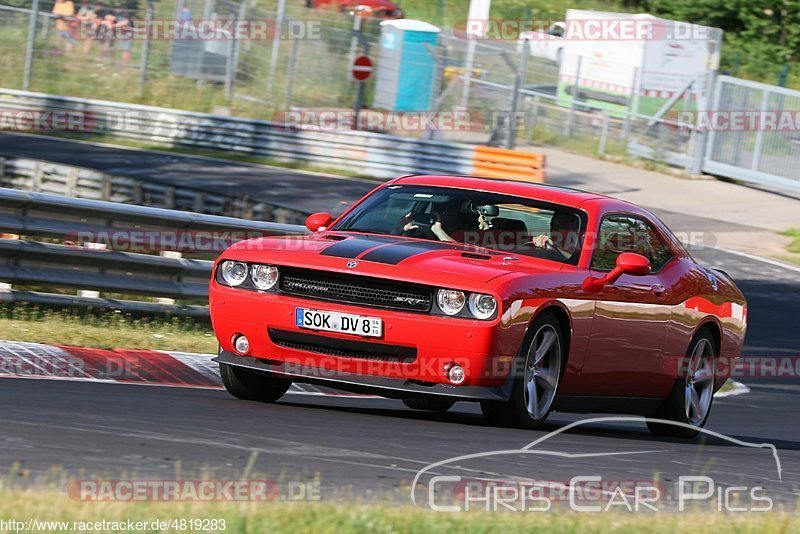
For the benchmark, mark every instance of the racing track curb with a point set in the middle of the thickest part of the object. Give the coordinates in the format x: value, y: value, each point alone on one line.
x: 20, y: 359
x: 123, y: 366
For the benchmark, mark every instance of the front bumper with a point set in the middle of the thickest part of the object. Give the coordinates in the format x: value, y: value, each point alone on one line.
x: 421, y: 345
x: 394, y: 388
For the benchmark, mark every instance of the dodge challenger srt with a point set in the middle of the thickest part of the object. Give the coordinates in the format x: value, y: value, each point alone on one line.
x: 526, y: 298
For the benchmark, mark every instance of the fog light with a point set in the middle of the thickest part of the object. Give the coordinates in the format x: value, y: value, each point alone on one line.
x: 455, y: 373
x: 241, y: 344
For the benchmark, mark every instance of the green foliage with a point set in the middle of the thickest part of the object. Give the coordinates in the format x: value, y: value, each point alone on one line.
x: 761, y: 36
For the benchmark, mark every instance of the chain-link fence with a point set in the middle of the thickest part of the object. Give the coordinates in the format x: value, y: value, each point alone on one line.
x: 166, y: 56
x: 262, y: 61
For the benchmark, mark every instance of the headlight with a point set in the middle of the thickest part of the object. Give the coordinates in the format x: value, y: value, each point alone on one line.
x: 450, y: 301
x: 264, y: 276
x: 482, y: 306
x: 233, y: 272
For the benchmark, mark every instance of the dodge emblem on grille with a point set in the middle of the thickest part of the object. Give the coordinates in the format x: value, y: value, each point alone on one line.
x: 352, y: 264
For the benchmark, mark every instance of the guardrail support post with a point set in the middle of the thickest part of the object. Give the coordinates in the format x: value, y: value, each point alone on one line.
x: 36, y: 184
x: 88, y: 293
x: 71, y: 185
x: 172, y: 254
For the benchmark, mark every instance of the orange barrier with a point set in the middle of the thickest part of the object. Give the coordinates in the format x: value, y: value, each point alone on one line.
x: 490, y: 162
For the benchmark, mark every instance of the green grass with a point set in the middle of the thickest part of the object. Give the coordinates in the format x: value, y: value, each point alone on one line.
x: 357, y: 518
x: 794, y: 246
x: 104, y: 330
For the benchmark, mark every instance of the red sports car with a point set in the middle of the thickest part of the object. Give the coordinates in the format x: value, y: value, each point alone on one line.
x: 526, y: 298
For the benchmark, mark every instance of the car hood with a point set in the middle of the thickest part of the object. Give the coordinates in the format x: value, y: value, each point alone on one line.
x: 398, y: 257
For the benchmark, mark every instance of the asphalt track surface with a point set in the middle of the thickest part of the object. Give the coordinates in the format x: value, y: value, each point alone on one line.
x: 372, y: 448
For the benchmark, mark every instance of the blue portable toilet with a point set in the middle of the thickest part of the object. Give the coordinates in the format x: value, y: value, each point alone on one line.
x: 406, y: 66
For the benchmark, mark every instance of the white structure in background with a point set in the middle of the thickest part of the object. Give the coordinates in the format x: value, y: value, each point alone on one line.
x: 545, y: 44
x: 616, y: 52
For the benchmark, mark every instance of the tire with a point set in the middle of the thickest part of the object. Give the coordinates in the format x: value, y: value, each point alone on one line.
x: 691, y: 397
x: 431, y: 405
x: 537, y: 374
x: 249, y: 385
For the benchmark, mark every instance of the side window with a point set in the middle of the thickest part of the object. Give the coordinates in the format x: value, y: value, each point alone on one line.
x: 623, y: 233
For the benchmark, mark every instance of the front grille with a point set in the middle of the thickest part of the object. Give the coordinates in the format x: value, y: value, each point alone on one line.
x: 355, y: 289
x: 342, y: 348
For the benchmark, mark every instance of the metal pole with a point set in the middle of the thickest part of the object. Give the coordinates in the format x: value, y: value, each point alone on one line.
x: 233, y: 64
x: 601, y: 148
x: 276, y: 45
x: 519, y: 79
x: 359, y: 104
x: 533, y: 118
x: 575, y: 92
x: 26, y: 74
x: 146, y: 47
x: 633, y: 104
x: 354, y: 40
x: 468, y: 65
x: 291, y: 74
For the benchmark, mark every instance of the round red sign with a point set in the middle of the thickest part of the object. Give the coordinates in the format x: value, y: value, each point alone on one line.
x: 362, y: 68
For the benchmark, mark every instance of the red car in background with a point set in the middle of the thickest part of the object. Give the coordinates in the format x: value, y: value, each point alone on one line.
x: 526, y: 298
x: 381, y: 9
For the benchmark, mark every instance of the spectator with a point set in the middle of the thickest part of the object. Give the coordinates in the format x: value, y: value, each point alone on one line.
x: 186, y: 15
x: 64, y: 10
x: 87, y: 16
x: 124, y: 36
x: 105, y: 33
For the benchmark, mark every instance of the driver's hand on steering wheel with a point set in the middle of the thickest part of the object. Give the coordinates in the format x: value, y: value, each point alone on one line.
x: 409, y: 226
x: 541, y: 241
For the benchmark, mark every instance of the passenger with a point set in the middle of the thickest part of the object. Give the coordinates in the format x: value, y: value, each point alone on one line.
x: 564, y: 235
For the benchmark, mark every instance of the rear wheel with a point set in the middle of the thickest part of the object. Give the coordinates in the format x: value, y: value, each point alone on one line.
x: 691, y: 397
x: 249, y: 385
x: 535, y: 386
x: 431, y: 405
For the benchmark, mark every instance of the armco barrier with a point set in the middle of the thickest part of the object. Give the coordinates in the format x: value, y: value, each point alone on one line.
x: 491, y: 162
x: 46, y: 177
x: 72, y: 264
x: 368, y: 153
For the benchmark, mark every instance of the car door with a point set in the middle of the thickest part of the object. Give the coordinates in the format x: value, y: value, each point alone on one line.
x: 631, y: 318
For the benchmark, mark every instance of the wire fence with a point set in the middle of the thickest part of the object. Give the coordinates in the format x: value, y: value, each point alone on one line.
x: 263, y: 62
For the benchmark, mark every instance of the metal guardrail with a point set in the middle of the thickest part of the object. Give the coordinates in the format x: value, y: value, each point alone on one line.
x: 70, y: 181
x: 63, y: 254
x: 383, y: 156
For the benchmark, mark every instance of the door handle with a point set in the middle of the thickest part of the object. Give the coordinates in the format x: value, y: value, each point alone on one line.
x: 658, y: 290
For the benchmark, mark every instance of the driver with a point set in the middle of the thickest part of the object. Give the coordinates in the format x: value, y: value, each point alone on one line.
x: 563, y: 235
x: 450, y: 215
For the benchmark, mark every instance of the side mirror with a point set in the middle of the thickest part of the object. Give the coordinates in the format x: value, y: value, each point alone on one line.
x: 318, y: 221
x: 627, y: 263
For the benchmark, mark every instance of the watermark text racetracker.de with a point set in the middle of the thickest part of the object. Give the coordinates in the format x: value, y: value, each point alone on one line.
x: 589, y: 29
x: 189, y: 490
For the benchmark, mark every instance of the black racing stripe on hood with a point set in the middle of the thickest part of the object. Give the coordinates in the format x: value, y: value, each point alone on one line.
x: 394, y: 254
x: 352, y: 247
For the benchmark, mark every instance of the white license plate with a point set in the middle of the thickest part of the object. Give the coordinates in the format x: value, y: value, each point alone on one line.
x: 339, y: 322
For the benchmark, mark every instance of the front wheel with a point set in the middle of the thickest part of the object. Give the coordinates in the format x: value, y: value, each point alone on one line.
x: 690, y: 400
x: 534, y: 388
x: 248, y: 385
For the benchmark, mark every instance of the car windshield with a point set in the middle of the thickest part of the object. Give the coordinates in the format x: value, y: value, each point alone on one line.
x: 490, y: 220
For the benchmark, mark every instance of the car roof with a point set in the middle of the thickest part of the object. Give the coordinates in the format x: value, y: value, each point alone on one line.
x: 547, y: 193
